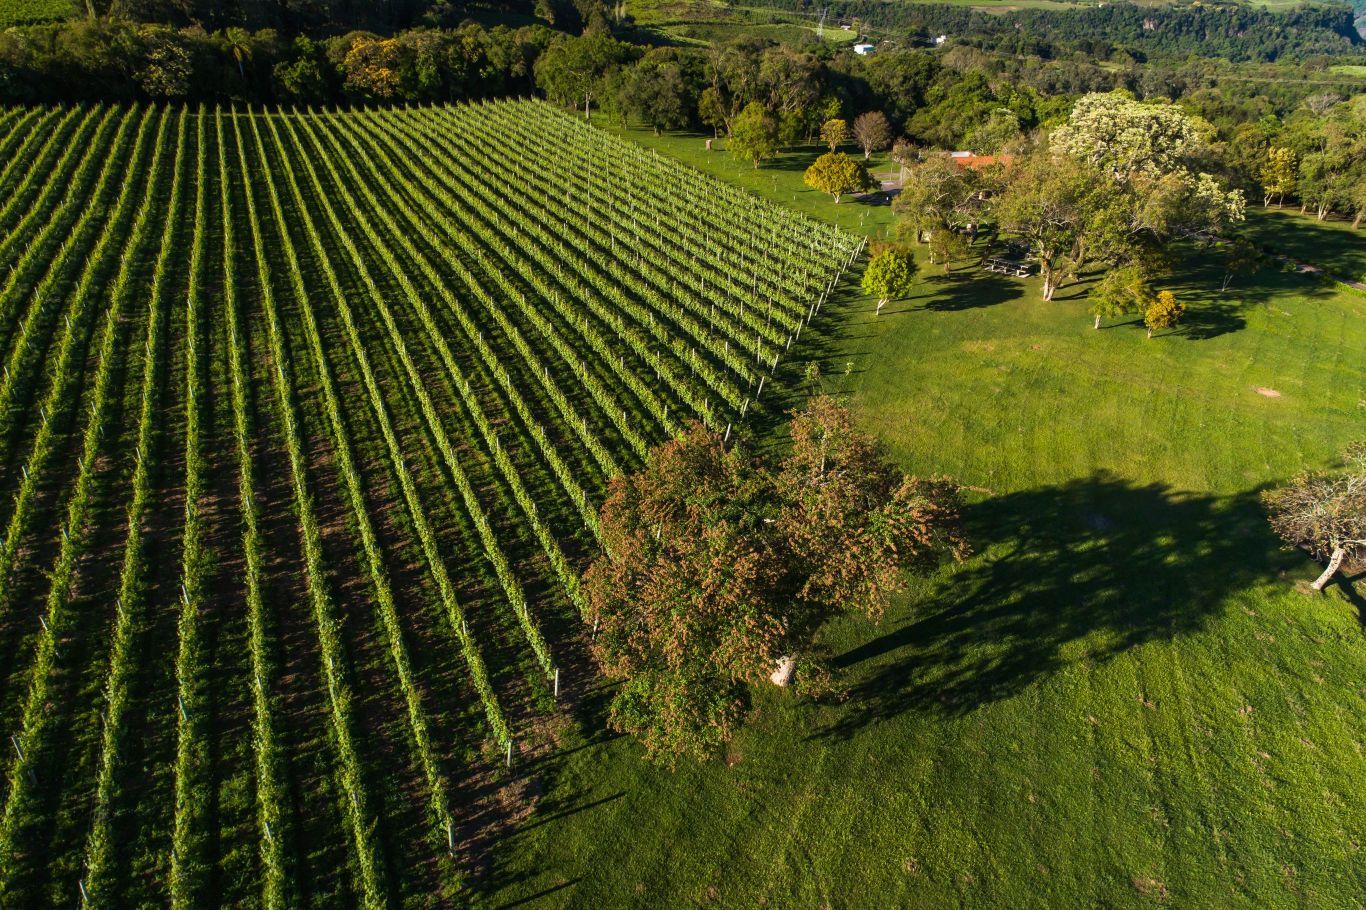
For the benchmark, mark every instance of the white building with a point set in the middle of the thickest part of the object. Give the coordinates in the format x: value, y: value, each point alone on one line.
x: 863, y: 50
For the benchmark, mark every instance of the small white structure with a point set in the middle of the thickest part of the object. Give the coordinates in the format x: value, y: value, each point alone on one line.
x: 863, y: 50
x: 940, y: 39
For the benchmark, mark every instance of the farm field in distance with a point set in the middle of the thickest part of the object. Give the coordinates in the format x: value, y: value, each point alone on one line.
x: 305, y: 422
x: 21, y: 12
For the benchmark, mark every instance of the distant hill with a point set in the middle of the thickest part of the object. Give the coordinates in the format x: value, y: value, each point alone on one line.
x: 1234, y: 31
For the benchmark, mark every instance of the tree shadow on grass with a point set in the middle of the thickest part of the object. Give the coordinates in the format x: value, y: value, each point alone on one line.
x: 1074, y: 573
x: 969, y: 291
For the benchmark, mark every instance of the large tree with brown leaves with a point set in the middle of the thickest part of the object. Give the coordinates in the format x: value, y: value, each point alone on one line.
x: 719, y: 568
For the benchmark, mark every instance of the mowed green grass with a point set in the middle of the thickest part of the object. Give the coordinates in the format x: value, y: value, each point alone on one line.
x: 21, y: 12
x: 1120, y: 701
x: 1331, y: 244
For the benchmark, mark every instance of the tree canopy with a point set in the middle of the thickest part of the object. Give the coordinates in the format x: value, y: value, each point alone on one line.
x: 1324, y: 512
x: 754, y: 134
x: 836, y: 173
x: 719, y: 565
x: 872, y: 132
x: 889, y: 274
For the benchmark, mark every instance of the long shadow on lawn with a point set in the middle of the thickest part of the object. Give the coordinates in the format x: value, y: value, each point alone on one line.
x: 969, y: 291
x: 1081, y: 571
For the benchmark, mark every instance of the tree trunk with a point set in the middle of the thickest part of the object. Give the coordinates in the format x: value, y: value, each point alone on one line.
x: 1323, y: 210
x: 1150, y: 333
x: 1266, y: 200
x: 1050, y: 282
x: 1304, y: 207
x: 1356, y: 222
x: 1097, y: 325
x: 787, y: 668
x: 587, y: 105
x: 1333, y: 565
x: 1228, y: 279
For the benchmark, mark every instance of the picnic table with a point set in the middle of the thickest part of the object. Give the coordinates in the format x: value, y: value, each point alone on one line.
x: 1006, y: 266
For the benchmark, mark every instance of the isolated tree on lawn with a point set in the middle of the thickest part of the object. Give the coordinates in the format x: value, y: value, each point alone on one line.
x: 836, y: 173
x: 754, y: 134
x: 834, y: 133
x: 1324, y: 513
x: 719, y: 569
x: 1119, y: 292
x: 890, y: 274
x: 872, y: 132
x: 1163, y: 312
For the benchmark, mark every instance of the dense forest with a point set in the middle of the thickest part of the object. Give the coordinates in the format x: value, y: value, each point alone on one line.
x: 1236, y: 32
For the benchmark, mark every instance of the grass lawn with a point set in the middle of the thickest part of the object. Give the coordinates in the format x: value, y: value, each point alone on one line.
x: 1120, y: 701
x: 779, y: 180
x: 1332, y: 245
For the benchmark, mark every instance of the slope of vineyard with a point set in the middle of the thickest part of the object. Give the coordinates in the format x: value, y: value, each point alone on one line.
x: 305, y: 421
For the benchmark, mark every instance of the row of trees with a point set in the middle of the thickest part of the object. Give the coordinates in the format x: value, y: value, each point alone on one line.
x: 1319, y: 158
x: 1232, y: 31
x: 117, y: 59
x: 959, y: 97
x: 1114, y: 186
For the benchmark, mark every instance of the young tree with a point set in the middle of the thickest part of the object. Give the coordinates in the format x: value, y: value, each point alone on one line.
x: 836, y: 173
x: 1278, y: 174
x: 1325, y: 514
x: 946, y: 245
x: 872, y: 132
x: 834, y: 133
x: 890, y: 274
x: 754, y: 134
x: 1163, y: 312
x: 711, y: 110
x: 1241, y: 257
x: 719, y: 568
x: 1119, y: 292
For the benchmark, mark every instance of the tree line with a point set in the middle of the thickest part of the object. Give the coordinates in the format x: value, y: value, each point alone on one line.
x: 1234, y: 31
